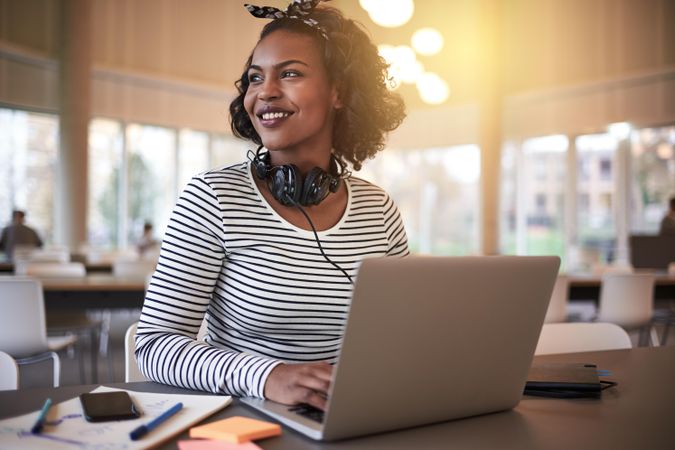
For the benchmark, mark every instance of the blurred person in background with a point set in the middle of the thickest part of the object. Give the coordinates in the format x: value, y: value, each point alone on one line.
x: 147, y: 243
x: 17, y: 234
x: 668, y: 222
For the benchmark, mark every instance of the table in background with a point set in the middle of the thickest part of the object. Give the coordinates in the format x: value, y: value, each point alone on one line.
x: 99, y: 267
x: 638, y: 413
x: 587, y: 287
x: 93, y: 292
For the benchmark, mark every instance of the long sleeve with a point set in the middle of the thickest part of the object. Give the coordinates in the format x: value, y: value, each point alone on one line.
x: 180, y: 291
x: 394, y: 229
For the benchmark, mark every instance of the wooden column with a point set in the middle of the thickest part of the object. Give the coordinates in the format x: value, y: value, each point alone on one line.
x: 490, y: 123
x: 75, y: 105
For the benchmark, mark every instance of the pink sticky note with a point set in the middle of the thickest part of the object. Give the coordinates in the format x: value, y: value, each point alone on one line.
x: 208, y: 444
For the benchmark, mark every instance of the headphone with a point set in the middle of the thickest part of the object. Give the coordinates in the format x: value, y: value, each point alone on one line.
x: 289, y: 187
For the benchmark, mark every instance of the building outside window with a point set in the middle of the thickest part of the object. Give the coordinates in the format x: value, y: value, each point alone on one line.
x: 508, y: 199
x: 542, y: 175
x: 595, y: 212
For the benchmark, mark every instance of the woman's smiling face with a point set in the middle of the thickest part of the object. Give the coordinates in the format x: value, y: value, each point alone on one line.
x: 290, y: 98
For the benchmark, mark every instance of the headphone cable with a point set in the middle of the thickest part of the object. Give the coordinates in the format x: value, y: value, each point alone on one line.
x: 316, y: 237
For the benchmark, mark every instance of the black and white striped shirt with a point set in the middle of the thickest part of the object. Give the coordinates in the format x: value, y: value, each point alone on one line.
x: 266, y: 291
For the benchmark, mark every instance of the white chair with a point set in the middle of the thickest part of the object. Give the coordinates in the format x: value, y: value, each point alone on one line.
x: 557, y: 307
x: 9, y: 373
x: 95, y: 330
x: 23, y: 333
x: 581, y: 337
x: 131, y: 371
x: 627, y: 300
x: 609, y: 269
x: 32, y: 254
x: 50, y: 269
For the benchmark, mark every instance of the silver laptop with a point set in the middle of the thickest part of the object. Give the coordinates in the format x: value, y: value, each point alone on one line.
x: 431, y: 339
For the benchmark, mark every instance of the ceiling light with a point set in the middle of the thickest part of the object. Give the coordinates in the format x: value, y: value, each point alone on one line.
x: 389, y: 13
x: 664, y: 151
x: 432, y: 88
x: 427, y: 41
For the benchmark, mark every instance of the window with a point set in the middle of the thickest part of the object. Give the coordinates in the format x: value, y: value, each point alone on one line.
x: 508, y: 199
x: 151, y: 178
x: 193, y: 155
x: 28, y: 151
x: 105, y: 182
x: 595, y: 214
x: 437, y: 192
x: 544, y: 232
x: 136, y: 173
x: 228, y: 150
x: 622, y: 187
x: 652, y: 176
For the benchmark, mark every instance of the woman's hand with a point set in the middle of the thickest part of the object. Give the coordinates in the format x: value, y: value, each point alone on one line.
x: 292, y: 384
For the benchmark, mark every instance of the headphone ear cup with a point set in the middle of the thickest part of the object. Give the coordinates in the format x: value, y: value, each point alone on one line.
x: 285, y: 184
x: 315, y: 187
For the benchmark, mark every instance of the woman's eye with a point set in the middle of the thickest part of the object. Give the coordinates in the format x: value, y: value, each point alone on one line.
x: 254, y: 77
x: 289, y: 74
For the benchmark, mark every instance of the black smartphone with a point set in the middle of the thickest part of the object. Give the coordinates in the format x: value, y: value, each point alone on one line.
x: 108, y: 406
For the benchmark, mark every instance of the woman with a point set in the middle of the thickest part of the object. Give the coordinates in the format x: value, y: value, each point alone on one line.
x: 242, y: 248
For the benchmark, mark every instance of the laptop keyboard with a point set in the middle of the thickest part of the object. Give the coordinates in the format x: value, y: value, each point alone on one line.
x: 308, y: 411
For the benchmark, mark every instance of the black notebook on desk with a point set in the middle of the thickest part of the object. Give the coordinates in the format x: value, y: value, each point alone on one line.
x: 563, y: 380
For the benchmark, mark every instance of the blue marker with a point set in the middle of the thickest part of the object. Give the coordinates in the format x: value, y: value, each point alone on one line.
x: 41, y: 417
x: 145, y: 429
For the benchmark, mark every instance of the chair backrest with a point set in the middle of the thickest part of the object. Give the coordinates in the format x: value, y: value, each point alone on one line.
x: 51, y: 270
x: 627, y: 299
x: 134, y: 269
x: 610, y: 269
x: 581, y: 337
x: 557, y: 307
x: 131, y: 371
x: 9, y: 373
x: 22, y: 321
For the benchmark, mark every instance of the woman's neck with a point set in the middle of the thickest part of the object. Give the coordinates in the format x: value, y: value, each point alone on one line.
x: 305, y: 160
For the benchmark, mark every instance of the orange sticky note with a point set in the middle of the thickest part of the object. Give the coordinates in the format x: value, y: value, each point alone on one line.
x: 207, y: 444
x: 236, y: 430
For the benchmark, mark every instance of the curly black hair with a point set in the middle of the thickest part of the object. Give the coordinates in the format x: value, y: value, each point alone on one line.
x: 352, y: 61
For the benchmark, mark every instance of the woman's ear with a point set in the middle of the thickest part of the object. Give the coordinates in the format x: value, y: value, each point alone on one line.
x: 335, y: 97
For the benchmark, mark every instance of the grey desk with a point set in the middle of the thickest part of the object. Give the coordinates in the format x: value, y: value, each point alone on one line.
x: 639, y: 413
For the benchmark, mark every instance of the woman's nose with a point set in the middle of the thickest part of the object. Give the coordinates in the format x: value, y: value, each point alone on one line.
x: 270, y: 89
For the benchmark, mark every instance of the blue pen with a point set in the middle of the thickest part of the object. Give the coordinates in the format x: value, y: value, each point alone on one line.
x: 41, y: 417
x: 145, y: 429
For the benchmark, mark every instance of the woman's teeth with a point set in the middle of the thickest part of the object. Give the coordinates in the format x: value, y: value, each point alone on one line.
x: 274, y: 115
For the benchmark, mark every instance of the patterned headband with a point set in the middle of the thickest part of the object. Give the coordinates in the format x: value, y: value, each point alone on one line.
x: 298, y: 9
